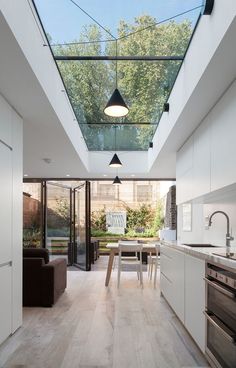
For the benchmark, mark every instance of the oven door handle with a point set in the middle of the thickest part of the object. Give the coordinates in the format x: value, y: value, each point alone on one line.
x: 228, y: 334
x: 220, y: 288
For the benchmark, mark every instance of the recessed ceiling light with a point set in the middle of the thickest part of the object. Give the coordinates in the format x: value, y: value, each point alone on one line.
x: 104, y: 174
x: 47, y: 160
x: 132, y: 175
x: 26, y: 175
x: 67, y: 174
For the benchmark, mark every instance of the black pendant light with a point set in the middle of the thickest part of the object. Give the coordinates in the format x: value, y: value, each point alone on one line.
x: 116, y: 181
x: 116, y: 106
x: 115, y: 161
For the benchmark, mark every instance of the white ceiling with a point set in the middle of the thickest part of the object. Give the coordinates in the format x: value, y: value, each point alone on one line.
x: 44, y: 136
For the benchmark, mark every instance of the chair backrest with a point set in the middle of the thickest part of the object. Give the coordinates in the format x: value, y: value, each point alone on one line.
x: 130, y: 246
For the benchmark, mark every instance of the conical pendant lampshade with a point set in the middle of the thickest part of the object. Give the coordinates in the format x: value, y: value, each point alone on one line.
x: 115, y: 161
x: 117, y: 181
x: 116, y: 106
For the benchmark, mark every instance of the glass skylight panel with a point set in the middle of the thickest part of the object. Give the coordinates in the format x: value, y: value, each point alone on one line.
x: 146, y: 32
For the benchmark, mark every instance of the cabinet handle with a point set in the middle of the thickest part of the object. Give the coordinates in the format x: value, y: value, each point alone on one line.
x: 6, y: 264
x: 220, y: 288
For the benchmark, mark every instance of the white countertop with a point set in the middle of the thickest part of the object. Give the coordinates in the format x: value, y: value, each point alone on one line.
x: 203, y: 253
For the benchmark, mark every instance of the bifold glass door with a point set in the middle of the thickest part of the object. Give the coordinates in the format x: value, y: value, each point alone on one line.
x: 58, y: 221
x: 81, y: 239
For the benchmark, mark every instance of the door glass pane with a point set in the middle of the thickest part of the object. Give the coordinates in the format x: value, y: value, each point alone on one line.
x: 32, y: 215
x: 58, y: 220
x: 81, y: 214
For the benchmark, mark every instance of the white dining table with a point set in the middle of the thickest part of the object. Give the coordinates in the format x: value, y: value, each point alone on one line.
x: 114, y: 249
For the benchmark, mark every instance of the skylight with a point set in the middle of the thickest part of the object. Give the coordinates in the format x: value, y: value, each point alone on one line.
x: 152, y: 38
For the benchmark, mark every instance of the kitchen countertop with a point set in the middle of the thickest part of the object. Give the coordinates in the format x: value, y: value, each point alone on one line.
x: 205, y: 254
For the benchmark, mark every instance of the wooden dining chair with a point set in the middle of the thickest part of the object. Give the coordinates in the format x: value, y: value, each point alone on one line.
x: 130, y: 247
x: 153, y: 262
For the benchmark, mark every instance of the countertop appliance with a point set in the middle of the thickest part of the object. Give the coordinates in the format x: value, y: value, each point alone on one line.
x: 220, y: 316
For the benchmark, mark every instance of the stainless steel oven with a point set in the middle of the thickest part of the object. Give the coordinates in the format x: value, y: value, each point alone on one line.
x: 221, y: 316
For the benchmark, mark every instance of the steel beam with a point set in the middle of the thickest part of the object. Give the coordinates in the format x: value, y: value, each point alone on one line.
x: 118, y: 58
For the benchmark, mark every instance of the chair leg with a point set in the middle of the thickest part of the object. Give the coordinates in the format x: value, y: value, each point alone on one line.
x: 141, y: 275
x: 155, y: 274
x: 148, y: 265
x: 151, y: 266
x: 119, y: 270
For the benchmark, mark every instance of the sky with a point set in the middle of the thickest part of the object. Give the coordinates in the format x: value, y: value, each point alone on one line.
x: 64, y: 21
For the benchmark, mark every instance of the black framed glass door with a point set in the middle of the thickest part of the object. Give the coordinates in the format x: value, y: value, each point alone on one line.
x: 81, y: 238
x: 58, y: 231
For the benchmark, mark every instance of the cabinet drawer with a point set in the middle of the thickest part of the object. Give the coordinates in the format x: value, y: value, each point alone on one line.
x: 166, y: 288
x: 168, y: 252
x: 166, y: 266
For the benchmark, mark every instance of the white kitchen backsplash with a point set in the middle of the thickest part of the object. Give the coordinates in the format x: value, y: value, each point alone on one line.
x: 217, y: 231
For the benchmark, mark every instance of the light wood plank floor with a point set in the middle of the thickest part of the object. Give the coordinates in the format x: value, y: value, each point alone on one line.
x: 93, y: 326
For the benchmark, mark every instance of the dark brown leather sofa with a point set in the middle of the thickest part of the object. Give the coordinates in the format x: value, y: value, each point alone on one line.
x: 43, y: 281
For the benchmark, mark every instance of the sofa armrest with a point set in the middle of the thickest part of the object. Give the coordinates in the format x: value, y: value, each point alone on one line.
x: 54, y: 280
x: 32, y: 281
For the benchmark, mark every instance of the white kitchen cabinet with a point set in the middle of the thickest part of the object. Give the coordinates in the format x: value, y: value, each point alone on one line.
x: 183, y: 287
x: 184, y: 172
x: 6, y: 204
x: 194, y: 319
x: 5, y: 301
x: 201, y: 160
x: 172, y: 279
x: 205, y: 163
x: 223, y: 148
x: 5, y: 122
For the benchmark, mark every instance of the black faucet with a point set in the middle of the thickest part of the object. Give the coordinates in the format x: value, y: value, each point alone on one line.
x: 228, y: 235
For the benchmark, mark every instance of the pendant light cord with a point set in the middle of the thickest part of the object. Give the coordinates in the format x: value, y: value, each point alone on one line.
x: 116, y: 66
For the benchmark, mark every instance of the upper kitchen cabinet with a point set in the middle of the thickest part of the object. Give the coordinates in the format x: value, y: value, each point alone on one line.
x: 201, y: 160
x: 5, y: 123
x: 206, y: 161
x: 223, y: 145
x: 184, y: 172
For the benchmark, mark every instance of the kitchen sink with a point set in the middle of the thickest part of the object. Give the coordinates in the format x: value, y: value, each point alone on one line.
x: 200, y: 245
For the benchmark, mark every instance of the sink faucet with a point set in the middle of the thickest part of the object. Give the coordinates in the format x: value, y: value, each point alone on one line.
x: 228, y: 235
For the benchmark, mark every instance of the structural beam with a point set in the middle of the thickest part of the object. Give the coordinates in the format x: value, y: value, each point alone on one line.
x: 119, y: 58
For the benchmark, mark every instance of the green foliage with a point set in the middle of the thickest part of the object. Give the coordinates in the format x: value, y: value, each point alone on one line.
x: 140, y: 219
x: 31, y: 238
x: 158, y: 221
x: 141, y: 222
x: 63, y: 210
x: 101, y: 233
x: 144, y: 85
x: 98, y: 221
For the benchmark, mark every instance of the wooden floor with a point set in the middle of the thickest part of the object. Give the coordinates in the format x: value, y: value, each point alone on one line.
x: 93, y: 326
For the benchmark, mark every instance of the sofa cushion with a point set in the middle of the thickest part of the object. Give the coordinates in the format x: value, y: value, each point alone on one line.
x: 36, y: 253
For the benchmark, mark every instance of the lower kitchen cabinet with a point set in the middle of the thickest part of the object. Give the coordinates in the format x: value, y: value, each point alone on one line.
x: 183, y: 287
x: 172, y: 279
x: 194, y: 319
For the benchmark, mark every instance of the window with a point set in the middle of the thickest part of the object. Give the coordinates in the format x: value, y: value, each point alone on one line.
x: 144, y: 193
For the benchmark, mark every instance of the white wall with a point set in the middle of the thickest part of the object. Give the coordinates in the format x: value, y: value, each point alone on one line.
x: 214, y: 234
x: 10, y: 220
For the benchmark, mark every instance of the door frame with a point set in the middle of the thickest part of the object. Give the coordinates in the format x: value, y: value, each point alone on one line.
x: 75, y: 190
